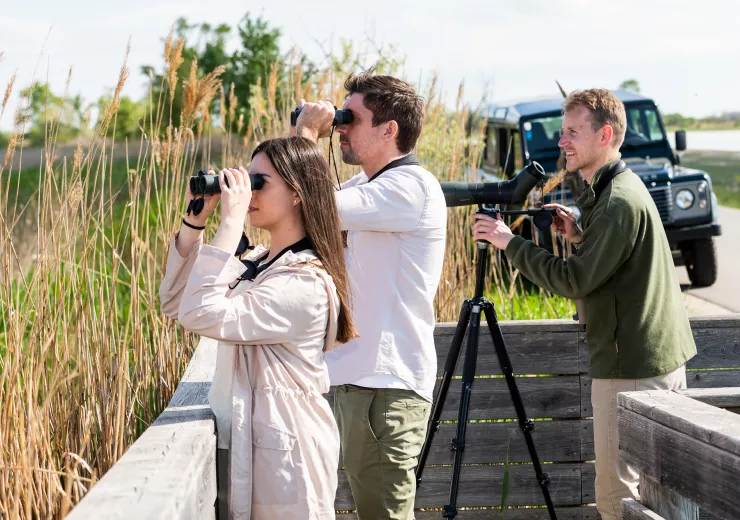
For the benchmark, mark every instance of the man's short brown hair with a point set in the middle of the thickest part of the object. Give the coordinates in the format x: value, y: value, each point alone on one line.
x: 605, y: 109
x: 390, y: 99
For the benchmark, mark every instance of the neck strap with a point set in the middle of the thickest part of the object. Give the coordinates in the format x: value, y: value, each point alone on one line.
x: 254, y: 268
x: 606, y: 177
x: 409, y: 159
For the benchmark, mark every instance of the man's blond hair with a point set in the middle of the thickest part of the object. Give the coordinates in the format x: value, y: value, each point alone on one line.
x: 605, y: 109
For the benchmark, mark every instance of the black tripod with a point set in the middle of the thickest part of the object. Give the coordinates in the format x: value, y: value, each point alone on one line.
x: 470, y: 314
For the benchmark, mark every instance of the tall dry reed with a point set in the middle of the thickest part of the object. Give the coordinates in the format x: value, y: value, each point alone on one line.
x: 87, y: 360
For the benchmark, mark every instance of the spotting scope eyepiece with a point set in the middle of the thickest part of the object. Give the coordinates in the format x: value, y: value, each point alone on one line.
x: 513, y: 191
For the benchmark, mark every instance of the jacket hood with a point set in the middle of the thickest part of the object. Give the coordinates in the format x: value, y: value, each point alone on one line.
x: 300, y: 262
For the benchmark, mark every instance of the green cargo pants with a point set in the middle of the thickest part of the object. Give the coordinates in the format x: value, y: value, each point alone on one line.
x: 382, y: 431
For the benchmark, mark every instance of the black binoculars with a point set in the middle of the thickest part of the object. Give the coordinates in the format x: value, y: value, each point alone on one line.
x: 341, y: 117
x: 206, y: 184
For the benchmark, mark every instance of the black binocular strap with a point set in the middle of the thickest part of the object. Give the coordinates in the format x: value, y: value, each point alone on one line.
x: 608, y: 175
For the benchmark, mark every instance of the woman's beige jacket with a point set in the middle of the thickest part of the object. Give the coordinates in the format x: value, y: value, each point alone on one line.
x: 270, y: 375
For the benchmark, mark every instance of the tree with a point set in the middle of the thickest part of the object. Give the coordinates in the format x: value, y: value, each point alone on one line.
x: 630, y: 84
x: 63, y: 116
x: 253, y: 62
x: 250, y: 63
x: 129, y: 118
x: 210, y: 44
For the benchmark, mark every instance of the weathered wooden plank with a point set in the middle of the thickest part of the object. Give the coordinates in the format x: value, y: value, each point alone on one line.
x: 170, y: 471
x: 521, y: 513
x: 528, y: 326
x: 633, y: 510
x: 480, y: 486
x: 543, y: 397
x: 688, y: 446
x: 588, y: 488
x: 716, y: 322
x: 583, y: 354
x: 549, y: 397
x: 555, y: 441
x: 529, y: 353
x: 703, y: 423
x: 587, y: 410
x: 716, y: 348
x: 666, y: 502
x: 587, y: 440
x: 719, y: 397
x: 712, y: 378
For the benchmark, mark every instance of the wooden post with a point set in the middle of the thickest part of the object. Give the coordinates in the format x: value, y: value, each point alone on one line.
x: 685, y: 449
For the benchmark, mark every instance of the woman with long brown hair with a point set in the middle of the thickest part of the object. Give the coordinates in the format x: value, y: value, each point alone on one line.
x: 274, y: 314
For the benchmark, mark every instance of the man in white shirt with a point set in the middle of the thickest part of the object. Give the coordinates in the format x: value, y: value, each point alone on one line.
x: 395, y: 214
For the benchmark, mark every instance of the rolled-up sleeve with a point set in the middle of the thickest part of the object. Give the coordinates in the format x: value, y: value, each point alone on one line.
x: 394, y: 202
x: 176, y: 276
x: 276, y: 310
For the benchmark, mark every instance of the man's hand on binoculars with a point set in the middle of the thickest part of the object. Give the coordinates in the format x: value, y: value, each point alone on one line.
x: 564, y: 223
x: 315, y: 119
x: 492, y: 230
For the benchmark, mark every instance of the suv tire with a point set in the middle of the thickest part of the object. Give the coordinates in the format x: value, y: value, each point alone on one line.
x: 700, y: 260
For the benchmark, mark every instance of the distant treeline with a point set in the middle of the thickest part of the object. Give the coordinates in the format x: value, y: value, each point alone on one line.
x: 726, y: 120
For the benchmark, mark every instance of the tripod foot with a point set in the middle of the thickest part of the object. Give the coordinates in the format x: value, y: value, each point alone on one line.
x: 456, y: 445
x: 449, y: 512
x: 527, y: 426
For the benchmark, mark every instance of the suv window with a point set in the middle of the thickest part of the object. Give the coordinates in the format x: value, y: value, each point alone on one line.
x: 543, y: 134
x: 643, y: 126
x: 500, y: 144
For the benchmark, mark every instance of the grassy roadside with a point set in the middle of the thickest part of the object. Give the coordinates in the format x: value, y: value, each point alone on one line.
x: 724, y: 170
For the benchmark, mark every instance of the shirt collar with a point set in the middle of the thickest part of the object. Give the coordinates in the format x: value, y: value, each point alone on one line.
x: 406, y: 160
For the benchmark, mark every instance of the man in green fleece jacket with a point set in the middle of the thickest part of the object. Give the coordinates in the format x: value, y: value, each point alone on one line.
x: 637, y: 330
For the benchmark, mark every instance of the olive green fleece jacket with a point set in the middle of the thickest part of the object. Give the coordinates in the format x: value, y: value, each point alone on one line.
x: 637, y: 325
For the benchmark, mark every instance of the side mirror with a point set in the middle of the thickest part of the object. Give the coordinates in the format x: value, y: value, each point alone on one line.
x: 680, y: 140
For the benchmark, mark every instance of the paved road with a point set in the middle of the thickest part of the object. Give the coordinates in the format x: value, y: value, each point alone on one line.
x: 726, y: 291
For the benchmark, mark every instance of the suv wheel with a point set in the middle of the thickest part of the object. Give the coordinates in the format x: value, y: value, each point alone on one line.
x: 700, y: 260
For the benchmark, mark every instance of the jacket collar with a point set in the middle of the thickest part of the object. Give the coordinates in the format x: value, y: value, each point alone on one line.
x: 588, y: 197
x: 295, y: 261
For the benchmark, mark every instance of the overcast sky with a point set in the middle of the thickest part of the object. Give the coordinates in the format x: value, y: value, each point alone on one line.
x: 685, y: 54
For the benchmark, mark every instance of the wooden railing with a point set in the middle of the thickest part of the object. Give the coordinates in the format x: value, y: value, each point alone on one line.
x: 686, y: 446
x: 170, y: 471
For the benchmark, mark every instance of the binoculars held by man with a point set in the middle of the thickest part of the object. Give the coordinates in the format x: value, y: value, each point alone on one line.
x: 341, y: 117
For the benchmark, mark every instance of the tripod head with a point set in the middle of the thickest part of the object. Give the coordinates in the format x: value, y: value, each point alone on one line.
x: 542, y: 216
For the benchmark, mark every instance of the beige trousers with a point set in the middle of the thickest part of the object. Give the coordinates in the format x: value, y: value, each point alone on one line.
x: 615, y: 480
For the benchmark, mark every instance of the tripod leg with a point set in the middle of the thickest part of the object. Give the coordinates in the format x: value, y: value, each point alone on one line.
x: 458, y: 443
x: 525, y: 424
x: 439, y: 399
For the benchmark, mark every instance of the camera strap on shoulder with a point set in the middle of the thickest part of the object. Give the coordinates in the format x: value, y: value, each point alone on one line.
x: 617, y: 168
x: 407, y: 160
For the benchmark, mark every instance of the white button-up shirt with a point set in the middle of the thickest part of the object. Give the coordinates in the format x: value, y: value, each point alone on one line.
x: 397, y: 227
